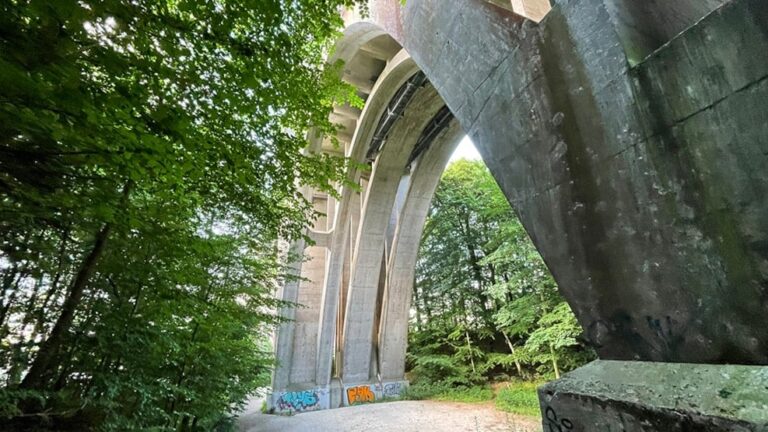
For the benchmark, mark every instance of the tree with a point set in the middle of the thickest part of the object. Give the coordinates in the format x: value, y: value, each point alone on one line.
x: 480, y: 280
x: 151, y: 152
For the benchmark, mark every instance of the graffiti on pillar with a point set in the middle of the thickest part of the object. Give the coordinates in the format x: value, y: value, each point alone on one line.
x: 360, y: 394
x: 307, y: 400
x: 555, y: 424
x: 393, y: 389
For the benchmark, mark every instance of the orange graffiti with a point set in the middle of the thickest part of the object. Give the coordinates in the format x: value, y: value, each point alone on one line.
x: 360, y: 394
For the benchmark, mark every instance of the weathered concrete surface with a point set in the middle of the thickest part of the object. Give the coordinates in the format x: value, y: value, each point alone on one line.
x: 659, y: 397
x: 644, y: 26
x: 644, y: 187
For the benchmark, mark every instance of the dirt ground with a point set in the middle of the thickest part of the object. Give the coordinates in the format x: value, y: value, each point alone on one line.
x: 404, y: 416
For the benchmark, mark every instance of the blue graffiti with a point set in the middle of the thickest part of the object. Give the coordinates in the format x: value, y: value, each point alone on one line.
x: 298, y: 401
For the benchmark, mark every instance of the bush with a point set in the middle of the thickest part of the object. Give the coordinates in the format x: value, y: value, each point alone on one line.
x: 423, y: 390
x: 519, y: 398
x: 445, y: 392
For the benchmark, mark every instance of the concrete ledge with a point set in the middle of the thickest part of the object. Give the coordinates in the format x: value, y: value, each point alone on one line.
x: 299, y: 399
x: 665, y: 397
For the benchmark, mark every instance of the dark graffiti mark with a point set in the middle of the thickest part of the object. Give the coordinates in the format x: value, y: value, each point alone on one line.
x: 555, y: 424
x: 298, y: 401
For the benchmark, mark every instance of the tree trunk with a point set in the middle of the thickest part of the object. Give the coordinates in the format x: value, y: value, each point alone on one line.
x: 554, y: 361
x: 53, y: 292
x: 417, y: 305
x: 471, y: 357
x: 45, y: 362
x: 474, y: 261
x: 512, y: 349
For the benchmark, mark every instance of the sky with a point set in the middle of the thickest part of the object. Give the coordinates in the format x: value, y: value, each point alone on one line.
x: 465, y: 150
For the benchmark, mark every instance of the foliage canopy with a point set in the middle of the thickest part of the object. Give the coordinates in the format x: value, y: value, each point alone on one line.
x: 151, y: 154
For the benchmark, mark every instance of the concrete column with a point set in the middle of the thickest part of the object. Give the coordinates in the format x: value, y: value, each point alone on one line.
x: 353, y: 223
x: 284, y: 335
x: 306, y: 317
x: 387, y: 173
x: 393, y: 334
x: 326, y: 334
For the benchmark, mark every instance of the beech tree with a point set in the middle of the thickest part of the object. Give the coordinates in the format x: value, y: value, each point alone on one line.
x: 151, y: 153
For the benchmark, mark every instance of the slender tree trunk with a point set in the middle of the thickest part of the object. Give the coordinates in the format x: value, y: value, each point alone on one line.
x: 70, y: 353
x: 8, y: 278
x: 512, y: 349
x: 554, y: 361
x: 183, y: 369
x: 471, y: 357
x: 45, y: 362
x: 53, y: 291
x: 477, y: 272
x: 4, y: 329
x: 544, y: 309
x: 426, y: 301
x: 417, y: 305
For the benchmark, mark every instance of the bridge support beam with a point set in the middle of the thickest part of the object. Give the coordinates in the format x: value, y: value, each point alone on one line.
x: 644, y: 396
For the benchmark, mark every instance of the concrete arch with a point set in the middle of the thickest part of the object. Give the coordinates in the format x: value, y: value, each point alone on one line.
x: 399, y: 69
x: 388, y: 170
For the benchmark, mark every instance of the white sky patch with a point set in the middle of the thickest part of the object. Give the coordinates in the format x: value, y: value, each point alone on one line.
x: 465, y: 150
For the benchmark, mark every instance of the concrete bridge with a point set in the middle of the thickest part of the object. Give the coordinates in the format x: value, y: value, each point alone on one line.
x: 630, y: 136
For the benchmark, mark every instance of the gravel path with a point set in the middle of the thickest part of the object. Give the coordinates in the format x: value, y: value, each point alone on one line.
x: 404, y: 416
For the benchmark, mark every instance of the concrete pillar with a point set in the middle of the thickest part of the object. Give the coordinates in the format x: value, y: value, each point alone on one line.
x: 326, y: 334
x: 653, y: 397
x: 393, y: 333
x: 284, y: 336
x: 306, y: 317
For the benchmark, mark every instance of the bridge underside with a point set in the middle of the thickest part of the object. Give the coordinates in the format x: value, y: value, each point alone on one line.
x: 631, y: 138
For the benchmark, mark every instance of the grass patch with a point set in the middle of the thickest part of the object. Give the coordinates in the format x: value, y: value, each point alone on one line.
x: 437, y: 392
x: 519, y: 397
x: 468, y: 395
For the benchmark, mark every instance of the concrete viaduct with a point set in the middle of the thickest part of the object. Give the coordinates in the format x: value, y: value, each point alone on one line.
x: 630, y: 136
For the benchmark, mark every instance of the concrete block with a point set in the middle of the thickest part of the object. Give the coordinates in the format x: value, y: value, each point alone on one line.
x: 657, y: 397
